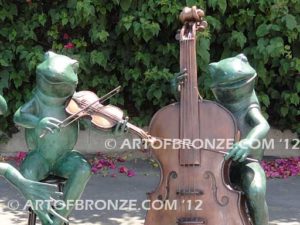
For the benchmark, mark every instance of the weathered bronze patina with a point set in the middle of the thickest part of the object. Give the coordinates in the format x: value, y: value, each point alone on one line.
x: 233, y: 86
x: 51, y: 145
x: 32, y: 191
x: 197, y: 178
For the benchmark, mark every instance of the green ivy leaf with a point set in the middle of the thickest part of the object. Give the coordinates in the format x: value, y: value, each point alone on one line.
x: 125, y: 4
x: 262, y: 30
x: 222, y: 5
x: 290, y: 21
x: 239, y: 38
x: 99, y: 58
x: 284, y: 111
x: 265, y: 99
x: 298, y: 86
x: 157, y: 93
x: 212, y: 3
x: 295, y: 99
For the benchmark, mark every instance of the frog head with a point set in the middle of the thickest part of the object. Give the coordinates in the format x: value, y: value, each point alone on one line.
x: 3, y: 105
x: 232, y: 78
x: 57, y: 75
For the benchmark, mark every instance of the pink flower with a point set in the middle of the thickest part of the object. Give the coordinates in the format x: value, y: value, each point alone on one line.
x: 21, y: 156
x: 123, y: 169
x: 95, y: 169
x: 131, y: 173
x: 120, y: 159
x: 66, y: 36
x: 70, y: 45
x: 282, y: 168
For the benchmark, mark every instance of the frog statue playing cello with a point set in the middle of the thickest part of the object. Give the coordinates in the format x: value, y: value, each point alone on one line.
x: 233, y: 81
x: 233, y: 86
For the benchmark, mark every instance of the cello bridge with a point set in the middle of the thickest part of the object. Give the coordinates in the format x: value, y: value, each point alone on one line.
x: 191, y: 221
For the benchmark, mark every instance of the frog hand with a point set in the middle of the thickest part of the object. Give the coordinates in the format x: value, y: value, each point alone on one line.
x: 240, y: 151
x: 177, y: 81
x: 48, y: 124
x: 42, y: 196
x: 121, y: 127
x: 3, y: 105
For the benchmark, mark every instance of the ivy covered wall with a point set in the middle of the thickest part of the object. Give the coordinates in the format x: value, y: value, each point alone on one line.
x: 132, y: 43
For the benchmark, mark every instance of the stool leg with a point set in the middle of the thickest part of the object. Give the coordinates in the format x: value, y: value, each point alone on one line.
x: 31, y: 217
x: 60, y: 189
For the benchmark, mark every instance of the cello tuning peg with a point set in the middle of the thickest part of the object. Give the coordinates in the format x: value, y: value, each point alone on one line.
x: 191, y: 14
x: 201, y: 26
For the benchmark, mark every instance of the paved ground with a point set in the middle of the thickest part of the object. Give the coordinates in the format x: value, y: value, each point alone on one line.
x: 283, y: 199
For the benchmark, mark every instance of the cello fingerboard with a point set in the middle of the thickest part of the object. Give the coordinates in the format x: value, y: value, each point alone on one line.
x: 189, y: 110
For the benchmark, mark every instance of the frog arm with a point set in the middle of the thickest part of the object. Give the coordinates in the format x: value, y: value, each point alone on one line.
x: 249, y: 144
x: 259, y: 123
x: 175, y: 82
x: 26, y: 115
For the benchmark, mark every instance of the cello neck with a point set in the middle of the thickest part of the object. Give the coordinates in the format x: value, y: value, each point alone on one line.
x: 189, y: 96
x: 188, y: 62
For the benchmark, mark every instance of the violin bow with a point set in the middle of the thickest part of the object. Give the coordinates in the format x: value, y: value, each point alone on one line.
x: 192, y: 146
x: 75, y: 116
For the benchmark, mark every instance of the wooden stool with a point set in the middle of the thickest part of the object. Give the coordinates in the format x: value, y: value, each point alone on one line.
x: 60, y: 182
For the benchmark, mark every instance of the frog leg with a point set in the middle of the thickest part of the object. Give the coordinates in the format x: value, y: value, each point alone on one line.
x: 77, y: 170
x: 254, y: 187
x: 35, y: 167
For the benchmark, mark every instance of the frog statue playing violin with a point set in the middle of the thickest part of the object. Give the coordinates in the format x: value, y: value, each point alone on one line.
x: 33, y: 191
x: 233, y: 81
x: 54, y: 154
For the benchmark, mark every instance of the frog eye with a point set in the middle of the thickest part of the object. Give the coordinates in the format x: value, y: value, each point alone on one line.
x: 48, y: 55
x: 75, y: 66
x: 242, y: 57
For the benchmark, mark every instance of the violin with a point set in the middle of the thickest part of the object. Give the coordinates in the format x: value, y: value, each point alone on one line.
x: 194, y: 181
x: 88, y: 105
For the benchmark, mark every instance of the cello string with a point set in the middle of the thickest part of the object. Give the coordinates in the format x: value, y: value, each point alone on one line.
x: 181, y: 118
x: 186, y: 123
x: 193, y: 111
x: 192, y: 46
x: 190, y: 110
x: 183, y: 128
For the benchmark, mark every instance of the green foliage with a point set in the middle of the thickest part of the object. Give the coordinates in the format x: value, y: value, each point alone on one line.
x: 131, y: 43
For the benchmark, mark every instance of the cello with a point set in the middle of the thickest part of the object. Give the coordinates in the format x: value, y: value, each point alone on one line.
x: 195, y: 182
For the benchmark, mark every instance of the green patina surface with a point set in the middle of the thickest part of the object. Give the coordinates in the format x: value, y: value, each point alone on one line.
x: 233, y: 87
x: 31, y: 190
x: 56, y: 82
x: 233, y: 82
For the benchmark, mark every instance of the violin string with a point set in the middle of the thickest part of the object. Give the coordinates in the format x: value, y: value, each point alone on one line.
x: 101, y: 99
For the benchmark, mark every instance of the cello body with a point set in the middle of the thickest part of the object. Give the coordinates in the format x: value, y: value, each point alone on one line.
x: 195, y: 186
